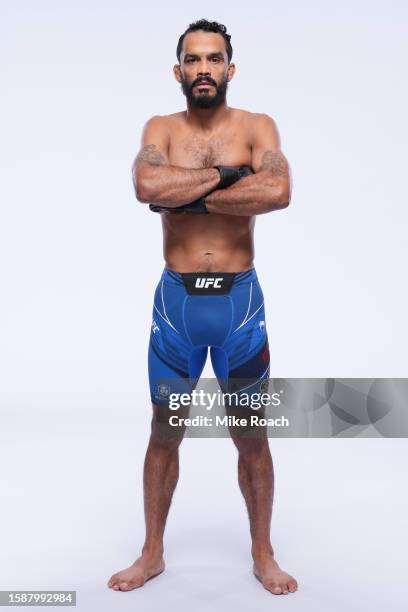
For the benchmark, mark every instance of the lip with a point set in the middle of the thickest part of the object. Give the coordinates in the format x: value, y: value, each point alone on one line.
x: 204, y: 85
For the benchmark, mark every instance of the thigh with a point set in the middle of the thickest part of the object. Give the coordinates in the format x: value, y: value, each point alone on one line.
x: 243, y: 362
x: 174, y: 362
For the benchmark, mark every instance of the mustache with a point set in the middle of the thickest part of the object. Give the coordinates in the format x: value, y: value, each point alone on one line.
x: 204, y: 80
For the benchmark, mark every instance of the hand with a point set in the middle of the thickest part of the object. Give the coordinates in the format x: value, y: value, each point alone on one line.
x: 231, y: 174
x: 196, y: 207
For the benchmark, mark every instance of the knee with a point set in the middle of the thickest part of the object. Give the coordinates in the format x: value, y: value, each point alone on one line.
x: 251, y: 448
x: 162, y: 447
x: 163, y: 438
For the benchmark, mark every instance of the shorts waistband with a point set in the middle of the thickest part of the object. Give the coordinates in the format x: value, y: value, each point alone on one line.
x: 240, y: 278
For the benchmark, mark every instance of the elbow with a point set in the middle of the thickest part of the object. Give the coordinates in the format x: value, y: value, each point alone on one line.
x: 142, y: 190
x: 284, y: 201
x: 279, y: 193
x: 142, y: 194
x: 280, y: 199
x: 284, y: 195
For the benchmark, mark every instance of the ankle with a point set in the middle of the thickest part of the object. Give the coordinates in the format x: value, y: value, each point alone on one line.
x: 152, y: 550
x: 262, y: 551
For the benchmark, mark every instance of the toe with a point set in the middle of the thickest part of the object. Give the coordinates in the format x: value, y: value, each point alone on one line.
x: 112, y: 581
x: 273, y: 587
x: 123, y: 586
x: 292, y: 584
x: 131, y: 584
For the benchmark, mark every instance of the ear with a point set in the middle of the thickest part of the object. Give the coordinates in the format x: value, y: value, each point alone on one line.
x: 177, y: 72
x: 230, y: 71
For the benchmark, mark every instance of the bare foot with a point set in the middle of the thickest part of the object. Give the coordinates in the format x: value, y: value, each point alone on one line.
x: 144, y: 568
x: 272, y: 577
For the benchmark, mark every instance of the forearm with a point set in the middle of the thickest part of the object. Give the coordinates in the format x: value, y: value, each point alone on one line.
x: 252, y: 195
x: 172, y: 186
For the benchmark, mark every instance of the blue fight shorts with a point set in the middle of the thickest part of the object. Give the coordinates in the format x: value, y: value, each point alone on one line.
x: 195, y: 311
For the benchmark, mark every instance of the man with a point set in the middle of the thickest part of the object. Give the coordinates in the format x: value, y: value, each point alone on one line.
x: 208, y: 171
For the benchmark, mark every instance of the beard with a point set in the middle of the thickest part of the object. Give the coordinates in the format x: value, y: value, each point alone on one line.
x: 205, y: 99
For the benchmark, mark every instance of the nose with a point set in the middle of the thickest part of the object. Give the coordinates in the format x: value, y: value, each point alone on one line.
x: 204, y: 69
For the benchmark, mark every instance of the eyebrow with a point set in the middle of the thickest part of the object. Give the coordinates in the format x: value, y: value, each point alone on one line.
x: 217, y: 54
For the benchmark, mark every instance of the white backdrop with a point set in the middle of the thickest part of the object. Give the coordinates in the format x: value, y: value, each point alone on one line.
x: 80, y: 258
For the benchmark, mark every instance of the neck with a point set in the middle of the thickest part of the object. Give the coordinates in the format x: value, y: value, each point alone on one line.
x: 207, y: 118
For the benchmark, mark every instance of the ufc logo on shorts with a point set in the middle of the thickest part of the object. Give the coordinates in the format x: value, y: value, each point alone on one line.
x: 210, y: 284
x: 204, y: 283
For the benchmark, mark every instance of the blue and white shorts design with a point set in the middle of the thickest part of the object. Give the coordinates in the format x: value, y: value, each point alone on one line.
x: 197, y: 311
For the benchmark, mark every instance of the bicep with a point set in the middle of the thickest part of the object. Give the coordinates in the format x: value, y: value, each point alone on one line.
x: 266, y: 148
x: 154, y: 147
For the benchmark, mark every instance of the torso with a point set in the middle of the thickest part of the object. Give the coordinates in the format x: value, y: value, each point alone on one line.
x: 214, y: 242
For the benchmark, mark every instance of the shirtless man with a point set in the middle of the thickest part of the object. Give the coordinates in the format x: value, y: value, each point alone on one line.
x: 194, y: 168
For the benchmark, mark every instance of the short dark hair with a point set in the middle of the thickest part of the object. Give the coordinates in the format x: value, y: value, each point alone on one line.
x: 207, y: 26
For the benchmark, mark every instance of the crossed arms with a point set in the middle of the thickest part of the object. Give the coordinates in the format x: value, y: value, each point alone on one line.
x: 156, y: 181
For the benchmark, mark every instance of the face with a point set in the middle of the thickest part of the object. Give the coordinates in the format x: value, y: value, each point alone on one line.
x: 204, y: 71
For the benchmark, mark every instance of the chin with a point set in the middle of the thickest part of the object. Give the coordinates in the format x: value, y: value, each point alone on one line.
x: 204, y: 101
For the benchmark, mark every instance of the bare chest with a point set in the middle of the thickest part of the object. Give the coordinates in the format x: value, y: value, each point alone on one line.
x: 191, y: 150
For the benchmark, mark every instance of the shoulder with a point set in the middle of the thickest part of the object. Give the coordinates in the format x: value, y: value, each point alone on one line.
x: 263, y: 129
x: 157, y: 122
x: 165, y: 123
x: 258, y: 125
x: 156, y: 130
x: 262, y: 121
x: 254, y: 119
